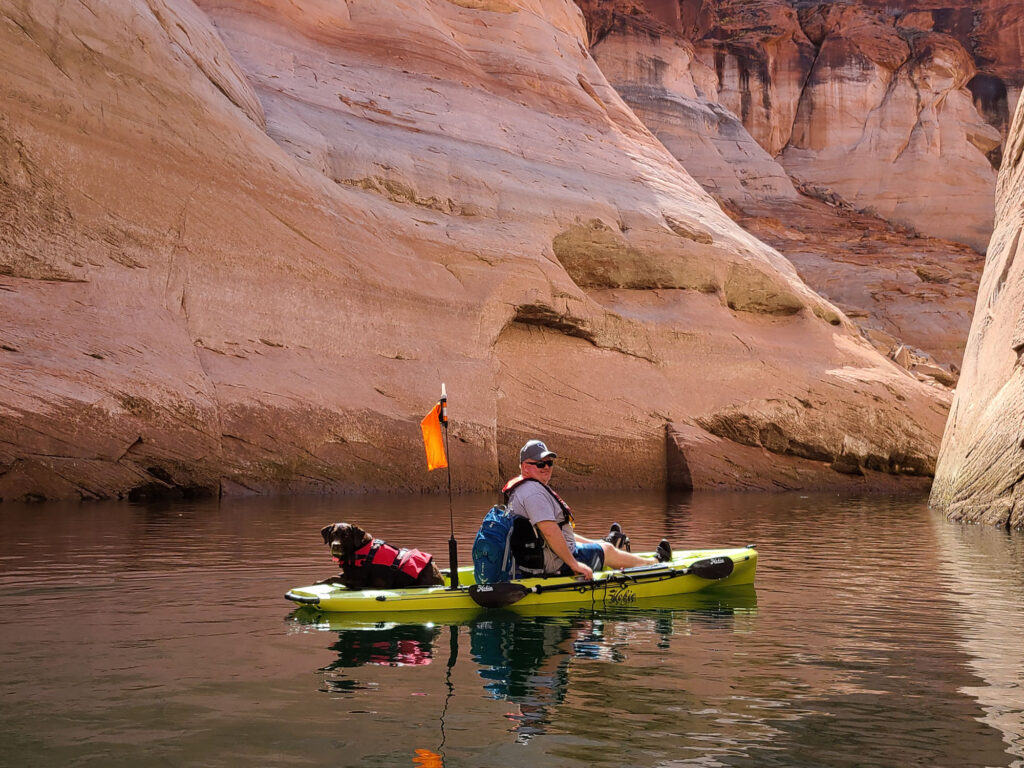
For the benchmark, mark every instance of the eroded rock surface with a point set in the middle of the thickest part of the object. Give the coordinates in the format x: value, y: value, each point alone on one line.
x: 912, y: 297
x: 886, y: 119
x: 903, y: 290
x: 212, y: 282
x: 991, y: 30
x: 981, y: 464
x: 880, y: 106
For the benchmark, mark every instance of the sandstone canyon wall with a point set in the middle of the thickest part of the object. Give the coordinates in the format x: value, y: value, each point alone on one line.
x: 721, y: 86
x: 875, y: 103
x: 991, y: 30
x: 900, y: 134
x: 243, y: 243
x: 981, y: 464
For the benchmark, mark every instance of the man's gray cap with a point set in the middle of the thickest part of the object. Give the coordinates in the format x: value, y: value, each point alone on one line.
x: 535, y: 450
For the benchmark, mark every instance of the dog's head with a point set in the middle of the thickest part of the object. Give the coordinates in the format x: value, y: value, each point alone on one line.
x: 344, y: 539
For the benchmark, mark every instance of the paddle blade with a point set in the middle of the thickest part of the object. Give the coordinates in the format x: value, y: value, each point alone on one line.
x: 713, y: 568
x: 497, y: 595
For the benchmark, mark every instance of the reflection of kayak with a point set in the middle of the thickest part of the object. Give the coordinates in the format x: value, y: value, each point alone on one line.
x: 687, y: 572
x: 735, y: 600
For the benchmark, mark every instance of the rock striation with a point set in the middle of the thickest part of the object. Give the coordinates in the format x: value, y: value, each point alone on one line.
x: 903, y: 290
x: 872, y: 103
x: 886, y: 120
x: 991, y: 30
x: 243, y: 244
x: 981, y: 463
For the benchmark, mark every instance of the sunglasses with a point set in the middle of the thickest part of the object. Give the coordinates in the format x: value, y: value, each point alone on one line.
x: 542, y: 464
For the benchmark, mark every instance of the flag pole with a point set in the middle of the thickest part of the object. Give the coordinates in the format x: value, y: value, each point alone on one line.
x: 453, y: 546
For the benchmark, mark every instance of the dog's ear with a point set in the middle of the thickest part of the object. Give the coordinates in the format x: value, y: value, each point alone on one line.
x: 360, y: 538
x: 326, y: 532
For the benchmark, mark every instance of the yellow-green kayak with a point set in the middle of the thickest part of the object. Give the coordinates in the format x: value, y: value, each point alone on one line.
x: 736, y: 600
x: 687, y: 571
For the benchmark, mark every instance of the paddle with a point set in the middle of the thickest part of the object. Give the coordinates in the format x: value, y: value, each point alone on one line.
x: 508, y: 592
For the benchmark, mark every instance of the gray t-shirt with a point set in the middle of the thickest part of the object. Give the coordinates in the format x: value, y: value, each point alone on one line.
x: 532, y: 501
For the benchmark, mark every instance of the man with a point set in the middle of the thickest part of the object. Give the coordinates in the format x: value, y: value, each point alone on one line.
x: 565, y: 551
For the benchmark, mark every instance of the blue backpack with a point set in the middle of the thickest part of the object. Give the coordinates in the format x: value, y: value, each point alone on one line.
x: 505, y: 544
x: 492, y: 549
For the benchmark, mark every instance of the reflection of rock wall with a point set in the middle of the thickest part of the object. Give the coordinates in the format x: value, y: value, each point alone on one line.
x: 256, y: 283
x: 988, y: 600
x: 981, y: 467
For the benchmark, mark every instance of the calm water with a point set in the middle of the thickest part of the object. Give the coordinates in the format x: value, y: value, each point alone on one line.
x: 878, y: 635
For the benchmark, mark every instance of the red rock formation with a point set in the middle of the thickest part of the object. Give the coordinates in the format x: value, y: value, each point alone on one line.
x: 675, y: 95
x: 874, y: 61
x: 853, y: 101
x: 761, y: 57
x: 901, y: 289
x: 991, y: 30
x: 887, y: 121
x: 981, y: 462
x: 257, y: 283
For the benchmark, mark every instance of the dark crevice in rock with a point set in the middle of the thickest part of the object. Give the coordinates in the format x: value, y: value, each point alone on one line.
x: 546, y: 317
x: 678, y: 475
x: 990, y: 98
x: 161, y: 474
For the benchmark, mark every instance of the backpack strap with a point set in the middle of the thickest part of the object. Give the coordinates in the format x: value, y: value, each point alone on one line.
x: 515, y: 482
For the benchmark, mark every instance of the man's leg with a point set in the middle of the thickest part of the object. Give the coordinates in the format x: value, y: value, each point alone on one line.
x: 616, y: 558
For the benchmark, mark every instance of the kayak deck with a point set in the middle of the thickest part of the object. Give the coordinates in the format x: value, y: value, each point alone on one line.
x: 607, y: 588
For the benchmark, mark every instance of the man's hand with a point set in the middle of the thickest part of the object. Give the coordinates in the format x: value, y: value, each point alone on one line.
x: 583, y: 570
x: 553, y: 536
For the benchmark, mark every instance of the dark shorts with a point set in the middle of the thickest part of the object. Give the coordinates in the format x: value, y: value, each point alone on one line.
x: 588, y: 554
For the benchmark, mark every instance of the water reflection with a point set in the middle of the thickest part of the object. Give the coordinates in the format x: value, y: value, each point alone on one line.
x: 526, y: 661
x: 990, y: 562
x: 881, y: 635
x: 396, y: 646
x: 519, y: 658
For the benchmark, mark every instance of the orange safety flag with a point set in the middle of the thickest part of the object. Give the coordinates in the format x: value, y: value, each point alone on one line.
x: 433, y: 440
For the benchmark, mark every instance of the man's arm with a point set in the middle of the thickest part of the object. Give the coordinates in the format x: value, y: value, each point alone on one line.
x: 553, y: 536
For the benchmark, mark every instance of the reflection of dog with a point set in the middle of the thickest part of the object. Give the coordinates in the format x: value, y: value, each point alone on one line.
x: 368, y: 562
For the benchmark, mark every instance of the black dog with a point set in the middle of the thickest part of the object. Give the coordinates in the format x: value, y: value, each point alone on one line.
x: 372, y: 563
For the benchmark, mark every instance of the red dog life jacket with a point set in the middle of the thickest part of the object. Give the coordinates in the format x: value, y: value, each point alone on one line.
x: 380, y: 554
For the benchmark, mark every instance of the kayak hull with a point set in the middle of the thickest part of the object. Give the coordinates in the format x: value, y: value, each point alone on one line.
x: 736, y: 601
x: 607, y: 589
